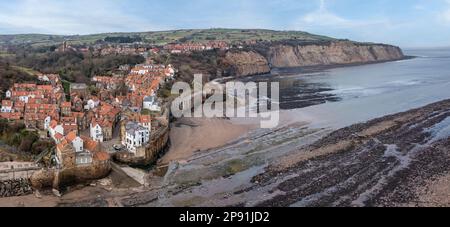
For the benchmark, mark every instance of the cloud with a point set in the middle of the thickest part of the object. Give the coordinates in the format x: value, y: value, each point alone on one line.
x: 444, y: 16
x: 322, y: 17
x: 69, y: 17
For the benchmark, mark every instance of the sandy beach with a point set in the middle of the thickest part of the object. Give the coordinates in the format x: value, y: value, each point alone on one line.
x: 191, y: 135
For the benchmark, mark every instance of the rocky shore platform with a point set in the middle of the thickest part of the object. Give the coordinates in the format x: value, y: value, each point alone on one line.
x: 393, y: 161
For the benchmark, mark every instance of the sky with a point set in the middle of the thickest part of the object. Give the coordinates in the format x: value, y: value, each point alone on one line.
x: 407, y: 23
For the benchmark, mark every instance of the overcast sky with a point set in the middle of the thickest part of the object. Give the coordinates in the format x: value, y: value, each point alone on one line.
x: 408, y: 23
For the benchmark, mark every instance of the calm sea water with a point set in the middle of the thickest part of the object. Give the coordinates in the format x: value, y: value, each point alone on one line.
x: 344, y: 96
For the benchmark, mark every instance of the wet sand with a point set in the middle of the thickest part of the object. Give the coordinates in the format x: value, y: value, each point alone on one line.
x: 194, y: 135
x: 396, y: 160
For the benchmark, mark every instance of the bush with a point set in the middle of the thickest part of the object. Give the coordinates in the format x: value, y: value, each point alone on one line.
x: 72, y: 66
x: 15, y: 135
x: 28, y: 138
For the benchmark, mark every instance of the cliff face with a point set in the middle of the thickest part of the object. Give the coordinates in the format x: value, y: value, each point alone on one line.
x: 341, y: 52
x: 247, y: 63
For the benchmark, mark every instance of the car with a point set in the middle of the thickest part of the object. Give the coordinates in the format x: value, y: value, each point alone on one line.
x: 118, y: 147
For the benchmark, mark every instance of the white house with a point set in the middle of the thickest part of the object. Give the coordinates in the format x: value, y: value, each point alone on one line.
x: 43, y: 78
x: 24, y: 98
x: 96, y: 132
x: 136, y: 136
x: 146, y: 122
x: 47, y: 122
x: 151, y: 104
x: 77, y: 142
x: 8, y: 94
x: 55, y: 129
x: 82, y: 155
x: 7, y: 106
x: 92, y: 103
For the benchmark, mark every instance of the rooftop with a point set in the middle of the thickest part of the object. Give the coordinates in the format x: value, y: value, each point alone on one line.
x: 133, y: 127
x: 78, y: 86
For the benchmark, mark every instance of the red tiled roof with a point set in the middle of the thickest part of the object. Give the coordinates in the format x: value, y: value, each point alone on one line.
x: 62, y: 144
x: 66, y: 105
x: 145, y: 119
x: 7, y: 103
x: 59, y: 136
x: 89, y: 144
x: 71, y: 136
x: 45, y: 87
x: 11, y: 116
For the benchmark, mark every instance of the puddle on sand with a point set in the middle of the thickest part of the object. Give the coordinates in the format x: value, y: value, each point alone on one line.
x: 440, y: 130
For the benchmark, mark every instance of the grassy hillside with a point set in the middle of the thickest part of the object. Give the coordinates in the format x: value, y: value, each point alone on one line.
x: 164, y: 37
x: 11, y: 74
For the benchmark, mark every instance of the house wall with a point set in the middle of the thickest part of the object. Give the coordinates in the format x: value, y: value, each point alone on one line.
x: 78, y: 144
x: 96, y: 136
x: 158, y: 144
x: 6, y: 109
x: 107, y: 133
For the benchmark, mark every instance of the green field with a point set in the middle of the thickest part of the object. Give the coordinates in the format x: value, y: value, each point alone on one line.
x: 164, y: 37
x: 28, y: 71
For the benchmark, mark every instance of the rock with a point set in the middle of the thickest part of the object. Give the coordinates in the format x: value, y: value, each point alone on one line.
x: 15, y: 187
x: 105, y: 182
x: 56, y: 193
x: 247, y: 63
x: 42, y: 179
x: 38, y: 194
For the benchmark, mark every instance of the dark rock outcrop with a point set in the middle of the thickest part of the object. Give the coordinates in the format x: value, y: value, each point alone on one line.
x: 15, y: 187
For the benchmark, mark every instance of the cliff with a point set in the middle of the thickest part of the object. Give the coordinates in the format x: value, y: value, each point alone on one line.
x: 333, y: 53
x: 262, y: 58
x: 246, y: 63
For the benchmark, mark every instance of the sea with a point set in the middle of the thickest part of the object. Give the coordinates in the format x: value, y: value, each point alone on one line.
x: 344, y: 96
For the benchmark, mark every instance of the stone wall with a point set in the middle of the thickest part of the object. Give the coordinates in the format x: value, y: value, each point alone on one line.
x: 15, y: 187
x: 48, y: 178
x: 157, y: 146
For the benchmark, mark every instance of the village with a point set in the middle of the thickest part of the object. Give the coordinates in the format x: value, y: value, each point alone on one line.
x: 117, y: 123
x: 139, y: 48
x: 89, y: 130
x: 123, y: 118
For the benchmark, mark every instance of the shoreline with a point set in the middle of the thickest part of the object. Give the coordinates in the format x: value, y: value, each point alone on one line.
x: 320, y: 68
x: 382, y: 167
x: 289, y: 71
x: 180, y: 154
x: 190, y: 136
